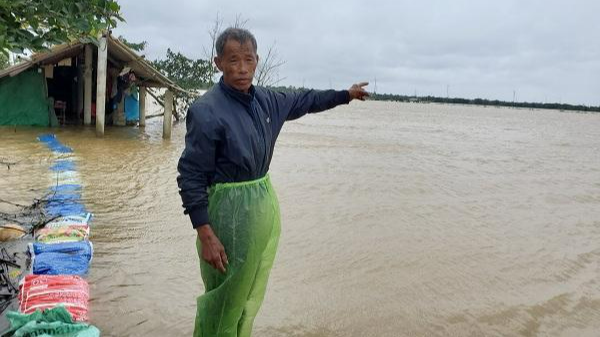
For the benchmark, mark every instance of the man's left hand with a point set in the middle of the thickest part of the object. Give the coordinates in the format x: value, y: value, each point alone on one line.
x: 358, y: 92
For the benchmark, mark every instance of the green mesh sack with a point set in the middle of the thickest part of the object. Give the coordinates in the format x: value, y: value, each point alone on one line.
x: 51, y: 322
x: 245, y: 218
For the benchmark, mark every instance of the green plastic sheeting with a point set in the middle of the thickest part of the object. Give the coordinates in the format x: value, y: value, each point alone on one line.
x: 52, y: 322
x: 23, y: 100
x: 245, y: 218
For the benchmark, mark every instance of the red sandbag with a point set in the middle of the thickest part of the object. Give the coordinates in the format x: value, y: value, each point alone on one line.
x: 47, y: 291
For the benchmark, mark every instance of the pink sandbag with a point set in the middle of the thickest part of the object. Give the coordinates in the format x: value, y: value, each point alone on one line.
x: 47, y: 291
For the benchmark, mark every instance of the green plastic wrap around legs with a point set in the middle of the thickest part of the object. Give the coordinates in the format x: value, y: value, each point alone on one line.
x: 245, y: 217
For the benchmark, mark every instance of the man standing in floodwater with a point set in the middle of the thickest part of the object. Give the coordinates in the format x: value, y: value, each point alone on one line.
x: 225, y: 187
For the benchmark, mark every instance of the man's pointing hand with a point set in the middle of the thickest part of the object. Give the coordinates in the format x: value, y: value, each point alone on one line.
x: 358, y: 92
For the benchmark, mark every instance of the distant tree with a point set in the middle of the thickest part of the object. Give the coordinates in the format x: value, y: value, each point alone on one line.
x: 189, y: 74
x: 483, y: 102
x: 38, y: 24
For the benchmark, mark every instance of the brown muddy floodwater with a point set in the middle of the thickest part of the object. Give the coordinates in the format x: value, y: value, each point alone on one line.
x: 398, y: 220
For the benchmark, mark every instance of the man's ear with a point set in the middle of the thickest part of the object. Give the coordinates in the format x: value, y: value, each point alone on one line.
x: 218, y: 63
x: 257, y: 58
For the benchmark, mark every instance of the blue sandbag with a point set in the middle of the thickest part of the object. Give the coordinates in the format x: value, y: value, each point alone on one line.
x: 64, y: 197
x: 61, y: 208
x: 71, y: 258
x: 63, y: 165
x: 54, y: 144
x: 60, y: 264
x: 79, y: 247
x: 65, y: 188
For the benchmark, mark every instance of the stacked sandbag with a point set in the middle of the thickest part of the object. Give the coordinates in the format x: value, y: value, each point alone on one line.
x: 55, y: 321
x: 72, y: 233
x: 62, y: 252
x: 69, y: 258
x: 61, y: 255
x: 41, y: 292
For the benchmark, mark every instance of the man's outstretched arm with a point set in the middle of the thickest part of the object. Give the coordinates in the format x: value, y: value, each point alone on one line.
x: 291, y: 106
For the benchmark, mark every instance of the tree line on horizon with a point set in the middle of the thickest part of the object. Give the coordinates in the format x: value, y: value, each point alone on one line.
x: 467, y: 101
x: 484, y: 102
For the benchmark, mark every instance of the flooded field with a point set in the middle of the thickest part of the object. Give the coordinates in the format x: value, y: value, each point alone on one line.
x: 398, y: 220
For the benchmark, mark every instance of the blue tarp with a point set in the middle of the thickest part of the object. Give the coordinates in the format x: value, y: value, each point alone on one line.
x: 132, y: 108
x: 70, y: 258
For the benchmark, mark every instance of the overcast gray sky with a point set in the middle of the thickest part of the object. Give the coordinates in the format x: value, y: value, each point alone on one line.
x: 545, y: 51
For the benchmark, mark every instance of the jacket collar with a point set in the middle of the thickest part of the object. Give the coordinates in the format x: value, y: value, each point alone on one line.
x: 243, y: 98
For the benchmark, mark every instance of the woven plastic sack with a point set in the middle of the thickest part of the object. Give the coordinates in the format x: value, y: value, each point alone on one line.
x: 62, y: 234
x: 70, y: 220
x: 47, y: 291
x: 50, y: 322
x: 71, y: 258
x: 64, y: 208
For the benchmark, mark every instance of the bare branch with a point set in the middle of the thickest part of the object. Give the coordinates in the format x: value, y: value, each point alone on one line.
x: 213, y: 33
x: 240, y: 22
x: 155, y: 96
x: 267, y: 72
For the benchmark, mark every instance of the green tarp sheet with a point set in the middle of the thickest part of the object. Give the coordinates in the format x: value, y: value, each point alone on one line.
x: 23, y: 100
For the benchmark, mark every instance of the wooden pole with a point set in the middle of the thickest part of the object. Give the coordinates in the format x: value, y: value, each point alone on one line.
x: 168, y: 118
x: 101, y: 85
x: 142, y: 106
x: 80, y: 88
x: 87, y: 91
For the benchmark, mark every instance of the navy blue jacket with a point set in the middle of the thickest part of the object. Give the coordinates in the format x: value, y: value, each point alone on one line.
x: 231, y: 136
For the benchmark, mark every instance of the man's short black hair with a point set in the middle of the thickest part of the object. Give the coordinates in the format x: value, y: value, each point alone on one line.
x: 240, y: 35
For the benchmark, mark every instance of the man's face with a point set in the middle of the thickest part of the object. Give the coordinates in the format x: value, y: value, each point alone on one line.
x: 238, y: 64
